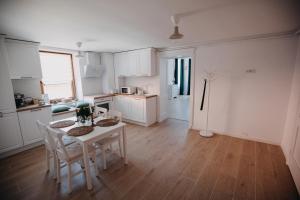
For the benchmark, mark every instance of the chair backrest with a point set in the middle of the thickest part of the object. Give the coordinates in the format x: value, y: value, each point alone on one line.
x: 59, y: 146
x: 43, y: 130
x: 99, y: 111
x: 115, y: 113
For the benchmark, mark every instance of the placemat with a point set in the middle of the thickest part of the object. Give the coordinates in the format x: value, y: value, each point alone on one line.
x: 107, y: 122
x: 81, y: 130
x: 62, y: 124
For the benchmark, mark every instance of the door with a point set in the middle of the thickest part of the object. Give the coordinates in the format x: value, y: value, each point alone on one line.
x: 7, y: 101
x: 294, y: 161
x: 10, y: 134
x: 28, y: 125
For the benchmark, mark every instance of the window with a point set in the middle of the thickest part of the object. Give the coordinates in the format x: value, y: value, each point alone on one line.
x: 58, y: 77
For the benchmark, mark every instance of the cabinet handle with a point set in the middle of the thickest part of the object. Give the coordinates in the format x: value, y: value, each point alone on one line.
x: 34, y: 110
x: 1, y: 114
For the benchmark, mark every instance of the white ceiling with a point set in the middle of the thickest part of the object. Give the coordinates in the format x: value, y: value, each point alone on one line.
x: 116, y: 25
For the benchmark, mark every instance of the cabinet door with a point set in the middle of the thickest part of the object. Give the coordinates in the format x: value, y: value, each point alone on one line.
x: 134, y: 60
x: 117, y: 62
x: 23, y: 60
x: 137, y: 107
x: 28, y: 125
x: 7, y: 101
x: 147, y: 62
x: 10, y: 134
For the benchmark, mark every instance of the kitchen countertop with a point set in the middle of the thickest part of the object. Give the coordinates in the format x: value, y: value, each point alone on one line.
x: 32, y: 107
x: 145, y: 96
x: 99, y: 96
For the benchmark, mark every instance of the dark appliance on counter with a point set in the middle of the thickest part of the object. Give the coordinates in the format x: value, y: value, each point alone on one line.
x: 22, y: 101
x: 19, y: 99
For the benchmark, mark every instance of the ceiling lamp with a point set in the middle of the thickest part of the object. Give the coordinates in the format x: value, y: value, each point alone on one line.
x: 80, y: 53
x: 176, y: 34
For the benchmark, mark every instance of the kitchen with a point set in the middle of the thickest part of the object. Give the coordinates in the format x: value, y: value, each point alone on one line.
x: 89, y: 74
x: 149, y: 99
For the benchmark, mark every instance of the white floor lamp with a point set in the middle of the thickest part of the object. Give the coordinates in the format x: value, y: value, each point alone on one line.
x: 206, y: 132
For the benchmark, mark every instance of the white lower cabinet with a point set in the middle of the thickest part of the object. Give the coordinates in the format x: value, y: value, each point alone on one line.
x: 10, y: 134
x: 137, y: 106
x: 29, y: 129
x: 134, y: 109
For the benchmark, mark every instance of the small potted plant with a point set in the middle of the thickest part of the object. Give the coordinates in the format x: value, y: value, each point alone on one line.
x: 83, y: 114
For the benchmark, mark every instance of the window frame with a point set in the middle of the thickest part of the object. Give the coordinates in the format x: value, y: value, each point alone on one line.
x: 73, y: 77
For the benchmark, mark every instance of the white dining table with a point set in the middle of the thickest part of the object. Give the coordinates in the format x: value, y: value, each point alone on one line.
x: 97, y: 134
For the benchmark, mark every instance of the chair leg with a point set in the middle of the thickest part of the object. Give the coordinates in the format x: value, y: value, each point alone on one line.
x: 110, y: 147
x: 95, y: 164
x: 58, y: 170
x: 47, y: 160
x: 54, y: 166
x: 69, y: 178
x: 104, y: 157
x: 120, y: 148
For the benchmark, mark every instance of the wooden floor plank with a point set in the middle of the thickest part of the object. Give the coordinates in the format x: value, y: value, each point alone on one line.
x: 245, y: 186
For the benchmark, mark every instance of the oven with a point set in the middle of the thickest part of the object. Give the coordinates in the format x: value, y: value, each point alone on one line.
x: 105, y: 102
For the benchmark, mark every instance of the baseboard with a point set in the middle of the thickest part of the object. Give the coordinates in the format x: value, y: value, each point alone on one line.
x: 163, y: 117
x: 138, y: 123
x: 255, y: 139
x: 18, y: 150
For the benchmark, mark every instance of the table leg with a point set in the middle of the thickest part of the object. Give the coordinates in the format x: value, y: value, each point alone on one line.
x: 87, y: 166
x: 124, y: 145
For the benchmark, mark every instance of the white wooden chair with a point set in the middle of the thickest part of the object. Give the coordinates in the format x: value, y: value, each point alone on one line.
x: 50, y: 151
x: 108, y: 141
x: 69, y: 155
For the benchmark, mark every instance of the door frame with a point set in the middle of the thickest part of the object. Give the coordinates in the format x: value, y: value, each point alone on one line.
x: 170, y: 54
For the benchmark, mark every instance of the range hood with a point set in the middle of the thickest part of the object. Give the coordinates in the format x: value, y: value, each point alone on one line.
x: 92, y: 67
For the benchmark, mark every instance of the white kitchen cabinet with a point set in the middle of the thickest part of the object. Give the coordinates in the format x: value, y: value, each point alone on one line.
x: 23, y: 59
x: 135, y: 63
x: 10, y: 134
x: 7, y: 101
x: 121, y: 104
x: 138, y: 110
x: 147, y: 65
x: 27, y: 120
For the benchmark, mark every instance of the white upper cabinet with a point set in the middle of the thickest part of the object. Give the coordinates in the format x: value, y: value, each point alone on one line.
x: 23, y: 59
x: 135, y: 63
x: 147, y: 64
x: 7, y: 101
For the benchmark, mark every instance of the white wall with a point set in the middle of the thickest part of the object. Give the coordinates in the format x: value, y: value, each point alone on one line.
x: 245, y: 105
x: 294, y: 102
x: 149, y: 84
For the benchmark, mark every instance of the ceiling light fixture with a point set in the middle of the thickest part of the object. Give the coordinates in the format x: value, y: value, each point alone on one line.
x: 176, y: 34
x: 80, y: 53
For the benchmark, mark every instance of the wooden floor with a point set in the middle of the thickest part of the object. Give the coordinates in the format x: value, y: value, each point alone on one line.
x: 165, y: 162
